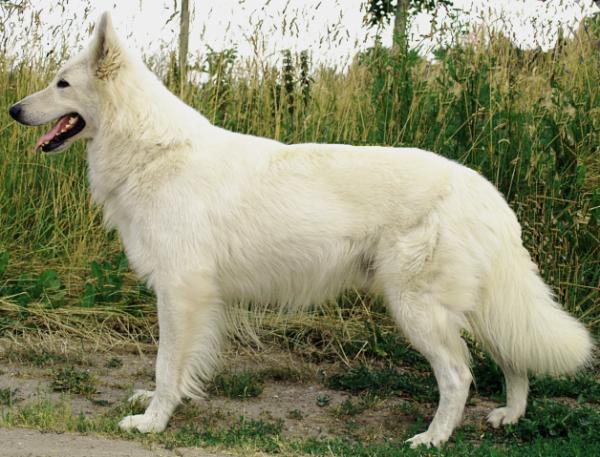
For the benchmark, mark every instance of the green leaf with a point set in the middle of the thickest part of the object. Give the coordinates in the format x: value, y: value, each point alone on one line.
x: 89, y: 296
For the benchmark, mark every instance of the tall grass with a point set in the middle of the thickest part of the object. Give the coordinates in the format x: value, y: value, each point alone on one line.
x: 527, y: 120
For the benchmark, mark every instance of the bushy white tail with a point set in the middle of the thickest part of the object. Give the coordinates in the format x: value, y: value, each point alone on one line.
x: 521, y: 324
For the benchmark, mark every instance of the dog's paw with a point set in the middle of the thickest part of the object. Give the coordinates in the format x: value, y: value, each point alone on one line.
x: 141, y: 397
x: 503, y: 416
x: 428, y: 439
x: 145, y: 423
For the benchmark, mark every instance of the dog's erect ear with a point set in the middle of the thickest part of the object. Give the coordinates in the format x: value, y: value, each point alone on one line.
x: 106, y: 53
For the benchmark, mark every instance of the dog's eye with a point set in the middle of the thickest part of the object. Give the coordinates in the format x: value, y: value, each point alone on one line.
x: 62, y: 84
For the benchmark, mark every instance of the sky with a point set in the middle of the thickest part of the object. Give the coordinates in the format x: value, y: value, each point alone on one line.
x: 332, y: 30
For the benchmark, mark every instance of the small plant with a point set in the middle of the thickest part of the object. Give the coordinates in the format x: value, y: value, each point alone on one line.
x: 46, y: 288
x: 106, y: 283
x: 550, y: 419
x: 280, y: 374
x: 8, y: 396
x: 583, y: 387
x: 408, y: 408
x: 73, y: 381
x: 354, y: 408
x: 377, y: 342
x: 114, y: 362
x: 39, y: 357
x: 100, y: 402
x: 323, y: 400
x: 384, y: 382
x: 347, y: 408
x: 238, y: 385
x: 295, y: 414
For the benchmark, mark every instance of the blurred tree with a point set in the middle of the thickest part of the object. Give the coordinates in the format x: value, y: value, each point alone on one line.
x: 380, y: 12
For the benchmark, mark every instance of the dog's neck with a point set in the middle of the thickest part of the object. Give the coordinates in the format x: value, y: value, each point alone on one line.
x: 143, y: 133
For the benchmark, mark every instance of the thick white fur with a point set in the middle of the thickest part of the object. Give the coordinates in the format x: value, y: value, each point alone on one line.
x: 213, y: 218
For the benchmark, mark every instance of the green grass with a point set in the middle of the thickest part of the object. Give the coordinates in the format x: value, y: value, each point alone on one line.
x: 114, y: 363
x: 42, y: 357
x: 583, y: 387
x: 385, y: 381
x: 238, y: 385
x: 295, y: 414
x: 73, y: 380
x: 8, y: 396
x: 247, y: 384
x: 280, y: 374
x: 351, y: 407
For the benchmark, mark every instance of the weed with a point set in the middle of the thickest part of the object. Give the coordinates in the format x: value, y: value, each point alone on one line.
x: 41, y: 357
x: 550, y: 419
x: 487, y: 375
x: 262, y: 434
x: 114, y: 362
x: 383, y: 344
x: 106, y: 282
x: 280, y: 374
x: 353, y: 408
x: 295, y: 414
x: 238, y: 385
x: 384, y: 382
x: 8, y: 396
x: 347, y: 408
x: 46, y: 288
x: 583, y: 387
x: 72, y: 380
x: 323, y: 400
x: 408, y: 408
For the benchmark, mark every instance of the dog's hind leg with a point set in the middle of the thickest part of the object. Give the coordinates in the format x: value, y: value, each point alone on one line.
x: 517, y: 387
x: 190, y: 331
x: 434, y: 331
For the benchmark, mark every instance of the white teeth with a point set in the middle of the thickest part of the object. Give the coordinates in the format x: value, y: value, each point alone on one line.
x: 72, y: 120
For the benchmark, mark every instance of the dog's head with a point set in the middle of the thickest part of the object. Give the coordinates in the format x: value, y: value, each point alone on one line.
x: 72, y: 98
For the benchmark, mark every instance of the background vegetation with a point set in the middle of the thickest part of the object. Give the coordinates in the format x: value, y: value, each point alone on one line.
x: 527, y: 120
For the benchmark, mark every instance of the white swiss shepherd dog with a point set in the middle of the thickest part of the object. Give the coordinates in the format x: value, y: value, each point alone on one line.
x: 213, y: 219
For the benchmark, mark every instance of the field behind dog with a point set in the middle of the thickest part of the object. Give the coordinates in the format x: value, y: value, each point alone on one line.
x: 338, y: 380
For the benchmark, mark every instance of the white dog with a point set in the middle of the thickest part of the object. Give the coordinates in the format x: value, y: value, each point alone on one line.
x: 213, y: 219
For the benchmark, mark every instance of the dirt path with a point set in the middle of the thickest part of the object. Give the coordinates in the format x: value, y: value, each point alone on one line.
x: 31, y: 443
x: 292, y: 404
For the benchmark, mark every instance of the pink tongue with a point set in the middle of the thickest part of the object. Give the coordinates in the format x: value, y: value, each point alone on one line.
x: 63, y: 122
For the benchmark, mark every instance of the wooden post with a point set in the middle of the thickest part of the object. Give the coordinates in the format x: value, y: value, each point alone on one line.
x: 184, y: 39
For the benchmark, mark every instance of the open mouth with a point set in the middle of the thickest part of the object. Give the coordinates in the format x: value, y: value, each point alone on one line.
x: 67, y: 127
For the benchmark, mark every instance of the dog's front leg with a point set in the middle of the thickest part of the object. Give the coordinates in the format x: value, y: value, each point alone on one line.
x: 168, y: 365
x: 190, y: 330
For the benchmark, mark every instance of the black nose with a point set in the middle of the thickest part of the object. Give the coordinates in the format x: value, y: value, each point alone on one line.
x: 15, y: 111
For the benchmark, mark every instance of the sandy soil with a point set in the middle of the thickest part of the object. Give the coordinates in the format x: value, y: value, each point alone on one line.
x: 31, y: 443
